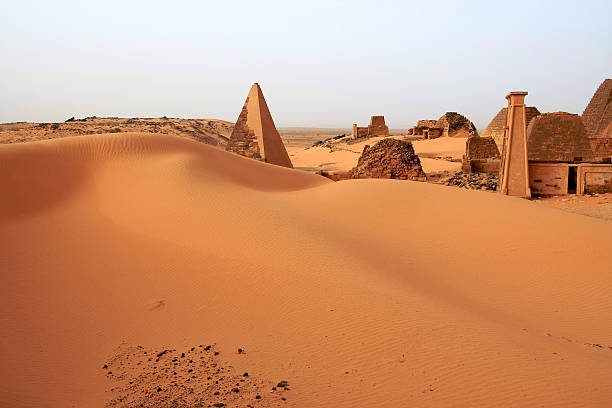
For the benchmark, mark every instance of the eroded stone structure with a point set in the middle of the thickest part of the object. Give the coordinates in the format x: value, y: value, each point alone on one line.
x: 514, y: 175
x: 376, y: 128
x: 597, y: 119
x: 455, y: 125
x: 497, y: 126
x: 450, y: 124
x: 391, y: 159
x: 255, y: 135
x: 426, y: 128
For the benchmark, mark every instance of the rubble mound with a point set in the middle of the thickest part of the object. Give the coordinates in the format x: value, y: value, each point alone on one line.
x: 456, y: 125
x: 389, y: 158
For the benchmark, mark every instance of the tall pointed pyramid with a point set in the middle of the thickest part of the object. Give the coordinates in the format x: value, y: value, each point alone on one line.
x: 255, y: 135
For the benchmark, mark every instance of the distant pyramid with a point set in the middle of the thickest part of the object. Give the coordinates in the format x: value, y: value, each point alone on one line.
x: 255, y: 135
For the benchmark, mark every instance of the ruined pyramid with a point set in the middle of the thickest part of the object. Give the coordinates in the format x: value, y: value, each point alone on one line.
x: 255, y: 135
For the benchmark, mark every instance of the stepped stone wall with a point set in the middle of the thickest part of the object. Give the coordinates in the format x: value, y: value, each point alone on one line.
x: 426, y: 123
x: 602, y: 146
x: 496, y: 128
x: 558, y: 137
x: 243, y: 140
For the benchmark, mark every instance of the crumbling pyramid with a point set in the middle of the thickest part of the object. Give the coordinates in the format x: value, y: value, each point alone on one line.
x: 255, y: 135
x: 454, y: 124
x: 389, y: 158
x: 558, y: 137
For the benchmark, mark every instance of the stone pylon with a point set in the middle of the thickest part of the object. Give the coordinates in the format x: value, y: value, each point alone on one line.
x: 255, y: 135
x: 514, y: 174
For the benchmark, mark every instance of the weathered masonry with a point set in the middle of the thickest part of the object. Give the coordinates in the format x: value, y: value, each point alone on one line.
x: 377, y: 127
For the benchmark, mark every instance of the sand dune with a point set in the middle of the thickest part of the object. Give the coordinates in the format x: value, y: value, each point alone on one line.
x: 344, y: 156
x: 358, y: 293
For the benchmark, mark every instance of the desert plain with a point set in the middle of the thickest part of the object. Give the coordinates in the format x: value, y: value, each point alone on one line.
x: 146, y: 268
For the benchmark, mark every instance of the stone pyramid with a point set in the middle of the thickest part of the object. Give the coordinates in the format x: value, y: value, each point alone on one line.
x: 255, y: 135
x: 598, y: 114
x: 496, y: 127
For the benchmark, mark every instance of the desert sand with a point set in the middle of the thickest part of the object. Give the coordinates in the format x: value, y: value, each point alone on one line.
x: 435, y: 154
x: 357, y: 293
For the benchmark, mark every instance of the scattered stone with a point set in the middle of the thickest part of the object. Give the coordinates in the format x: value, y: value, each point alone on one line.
x: 472, y: 181
x: 164, y: 382
x: 282, y: 384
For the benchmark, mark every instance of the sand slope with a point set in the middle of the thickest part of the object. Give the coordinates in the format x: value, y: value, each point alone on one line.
x: 359, y: 293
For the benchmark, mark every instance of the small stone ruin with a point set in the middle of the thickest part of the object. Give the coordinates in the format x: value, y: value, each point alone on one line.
x: 376, y: 128
x: 450, y: 124
x: 481, y: 155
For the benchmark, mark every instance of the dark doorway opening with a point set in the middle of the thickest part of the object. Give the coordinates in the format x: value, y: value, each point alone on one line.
x: 571, y: 180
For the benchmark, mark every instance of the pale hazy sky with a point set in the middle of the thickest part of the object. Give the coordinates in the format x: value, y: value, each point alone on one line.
x: 320, y: 63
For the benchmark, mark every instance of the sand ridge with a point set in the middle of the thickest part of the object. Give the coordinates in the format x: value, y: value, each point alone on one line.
x: 360, y: 292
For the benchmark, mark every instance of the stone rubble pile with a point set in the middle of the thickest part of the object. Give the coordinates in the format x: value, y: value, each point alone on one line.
x: 472, y: 181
